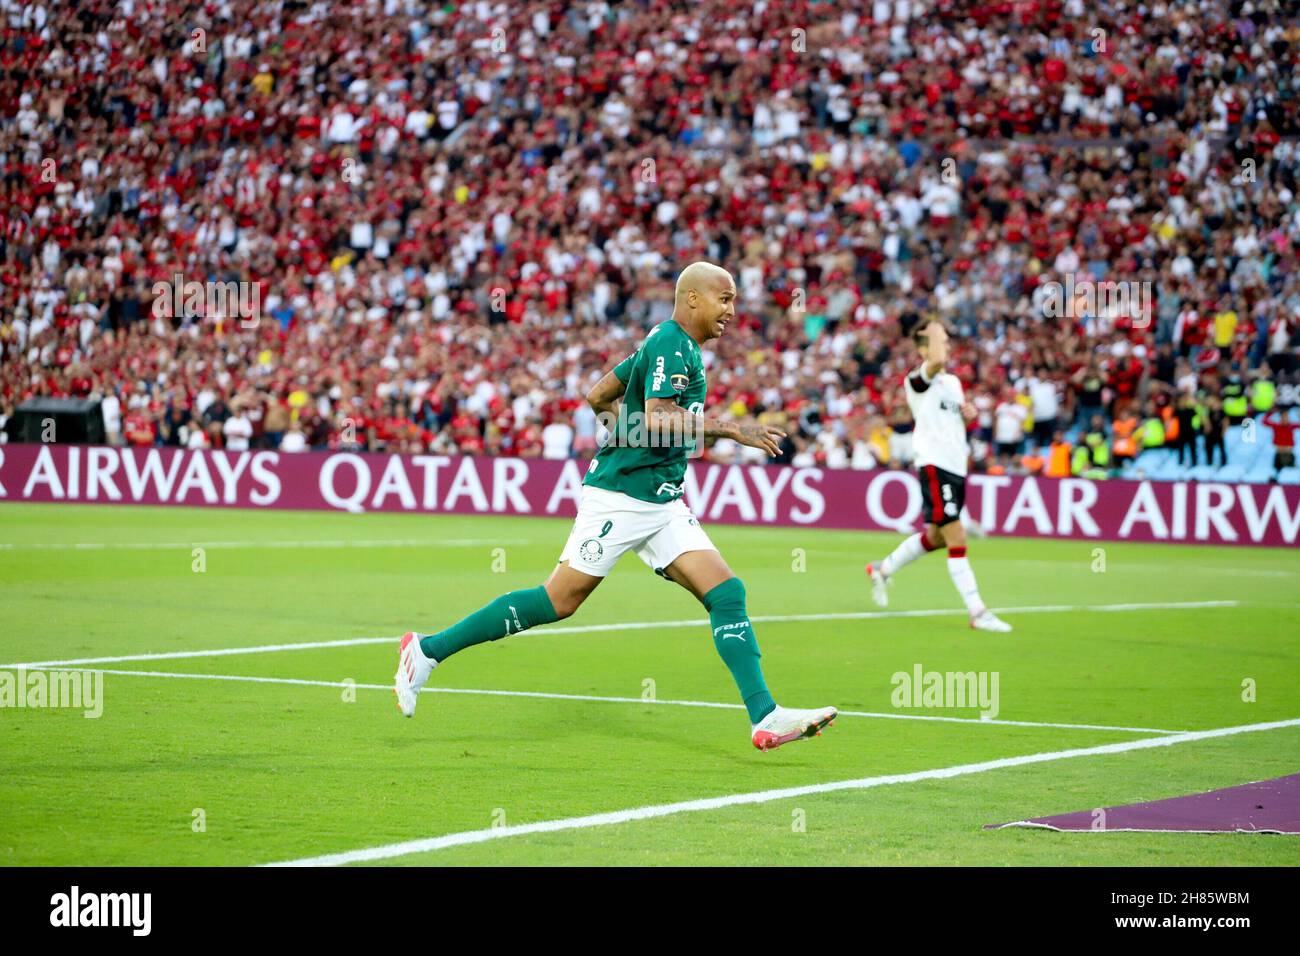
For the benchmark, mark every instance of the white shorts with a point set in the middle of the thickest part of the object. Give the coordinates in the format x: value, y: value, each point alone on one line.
x: 610, y: 524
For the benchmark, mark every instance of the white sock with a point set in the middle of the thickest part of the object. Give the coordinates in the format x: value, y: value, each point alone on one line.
x: 911, y: 548
x: 963, y: 579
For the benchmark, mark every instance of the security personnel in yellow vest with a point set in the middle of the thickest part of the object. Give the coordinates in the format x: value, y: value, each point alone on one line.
x: 1098, y: 446
x: 1080, y: 460
x: 1263, y: 395
x: 1235, y: 404
x: 1151, y: 433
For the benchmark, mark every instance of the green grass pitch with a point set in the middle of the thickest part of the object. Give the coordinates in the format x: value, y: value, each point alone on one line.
x: 283, y: 771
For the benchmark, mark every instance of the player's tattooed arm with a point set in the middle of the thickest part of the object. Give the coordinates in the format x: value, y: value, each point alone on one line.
x: 666, y: 413
x: 605, y: 395
x: 758, y: 436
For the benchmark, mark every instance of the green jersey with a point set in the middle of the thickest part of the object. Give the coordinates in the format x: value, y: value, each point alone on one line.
x: 636, y: 461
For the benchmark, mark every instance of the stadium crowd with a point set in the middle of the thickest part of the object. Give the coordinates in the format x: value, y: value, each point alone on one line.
x: 450, y: 219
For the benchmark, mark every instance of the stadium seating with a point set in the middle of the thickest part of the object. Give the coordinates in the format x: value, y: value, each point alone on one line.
x: 446, y: 255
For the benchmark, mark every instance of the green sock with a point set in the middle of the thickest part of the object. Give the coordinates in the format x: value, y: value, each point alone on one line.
x: 509, y: 614
x: 734, y: 638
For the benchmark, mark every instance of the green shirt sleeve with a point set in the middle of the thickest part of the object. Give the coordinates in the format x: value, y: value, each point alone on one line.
x: 666, y: 374
x: 624, y: 368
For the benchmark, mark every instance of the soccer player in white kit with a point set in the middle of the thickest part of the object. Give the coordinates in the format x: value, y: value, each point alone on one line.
x: 941, y: 413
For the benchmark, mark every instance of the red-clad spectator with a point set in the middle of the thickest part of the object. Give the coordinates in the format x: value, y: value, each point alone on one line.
x: 1283, y: 430
x: 139, y: 427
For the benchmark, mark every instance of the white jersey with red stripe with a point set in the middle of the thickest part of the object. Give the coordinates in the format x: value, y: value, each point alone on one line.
x: 939, y: 438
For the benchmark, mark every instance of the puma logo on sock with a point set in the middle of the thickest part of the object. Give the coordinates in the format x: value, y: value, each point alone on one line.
x: 743, y: 625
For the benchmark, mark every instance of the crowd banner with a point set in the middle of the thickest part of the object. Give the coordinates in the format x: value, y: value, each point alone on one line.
x: 1205, y: 512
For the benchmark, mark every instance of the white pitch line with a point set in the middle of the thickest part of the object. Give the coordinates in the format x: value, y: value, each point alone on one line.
x: 1028, y: 609
x: 640, y: 626
x: 546, y: 695
x: 254, y: 545
x: 428, y: 844
x: 1217, y: 570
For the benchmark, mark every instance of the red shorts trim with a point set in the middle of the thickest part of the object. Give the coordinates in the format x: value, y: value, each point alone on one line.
x: 936, y: 501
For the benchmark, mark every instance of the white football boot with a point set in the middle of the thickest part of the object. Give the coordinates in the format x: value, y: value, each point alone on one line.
x: 986, y: 620
x: 413, y: 670
x: 879, y: 585
x: 786, y: 724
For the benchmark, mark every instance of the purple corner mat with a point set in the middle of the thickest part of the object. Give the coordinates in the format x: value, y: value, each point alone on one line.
x: 1269, y: 806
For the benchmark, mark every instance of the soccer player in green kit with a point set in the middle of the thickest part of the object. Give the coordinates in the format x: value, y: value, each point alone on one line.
x: 632, y: 501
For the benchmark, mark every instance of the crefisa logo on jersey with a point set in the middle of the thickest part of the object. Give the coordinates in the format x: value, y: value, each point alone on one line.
x: 657, y: 381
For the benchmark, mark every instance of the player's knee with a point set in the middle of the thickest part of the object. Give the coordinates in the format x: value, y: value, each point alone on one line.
x: 565, y: 604
x: 727, y: 596
x: 563, y: 600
